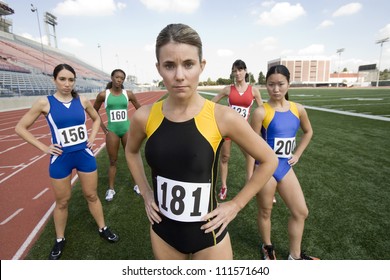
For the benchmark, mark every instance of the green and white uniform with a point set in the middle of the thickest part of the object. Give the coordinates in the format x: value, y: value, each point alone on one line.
x: 116, y: 109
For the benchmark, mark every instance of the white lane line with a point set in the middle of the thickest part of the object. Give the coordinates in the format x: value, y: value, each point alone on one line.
x: 11, y: 217
x: 32, y: 235
x: 17, y: 171
x: 379, y: 118
x: 40, y: 194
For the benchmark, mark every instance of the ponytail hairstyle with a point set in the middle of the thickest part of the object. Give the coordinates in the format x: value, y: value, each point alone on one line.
x: 239, y: 64
x: 65, y: 66
x: 279, y: 69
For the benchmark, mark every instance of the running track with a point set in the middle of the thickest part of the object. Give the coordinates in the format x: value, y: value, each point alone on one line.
x: 26, y: 198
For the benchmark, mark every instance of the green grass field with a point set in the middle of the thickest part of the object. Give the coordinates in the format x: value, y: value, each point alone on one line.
x: 344, y: 174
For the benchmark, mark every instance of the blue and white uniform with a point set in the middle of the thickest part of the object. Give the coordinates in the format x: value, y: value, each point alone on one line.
x: 279, y: 130
x: 68, y: 129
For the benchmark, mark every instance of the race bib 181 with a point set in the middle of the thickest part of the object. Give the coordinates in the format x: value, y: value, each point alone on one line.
x: 182, y: 201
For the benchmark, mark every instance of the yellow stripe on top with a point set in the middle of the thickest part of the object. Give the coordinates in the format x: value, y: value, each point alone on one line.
x: 294, y: 109
x: 270, y: 113
x: 155, y: 118
x: 207, y: 126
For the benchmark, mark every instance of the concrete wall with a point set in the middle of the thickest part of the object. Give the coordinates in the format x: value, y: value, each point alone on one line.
x: 23, y: 102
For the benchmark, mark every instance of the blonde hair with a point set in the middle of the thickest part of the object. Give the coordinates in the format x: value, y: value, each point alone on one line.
x: 178, y: 33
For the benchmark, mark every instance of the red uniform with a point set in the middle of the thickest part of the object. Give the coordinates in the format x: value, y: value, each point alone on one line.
x: 241, y: 101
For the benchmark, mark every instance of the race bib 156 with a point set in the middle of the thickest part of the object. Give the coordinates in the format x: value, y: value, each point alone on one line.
x: 73, y: 135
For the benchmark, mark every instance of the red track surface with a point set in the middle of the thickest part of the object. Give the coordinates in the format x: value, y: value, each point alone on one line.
x: 26, y: 198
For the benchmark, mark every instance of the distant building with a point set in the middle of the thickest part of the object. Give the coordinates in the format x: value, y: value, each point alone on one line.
x: 368, y: 73
x: 5, y: 10
x: 309, y: 71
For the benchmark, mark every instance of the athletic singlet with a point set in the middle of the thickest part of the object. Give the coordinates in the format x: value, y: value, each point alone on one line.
x: 67, y: 124
x: 116, y: 109
x: 183, y: 157
x: 241, y: 102
x: 279, y: 130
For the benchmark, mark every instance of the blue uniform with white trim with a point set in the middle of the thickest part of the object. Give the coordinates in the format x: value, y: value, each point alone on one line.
x: 279, y: 130
x: 68, y: 129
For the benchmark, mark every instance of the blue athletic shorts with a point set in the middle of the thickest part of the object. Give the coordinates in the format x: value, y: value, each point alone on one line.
x: 81, y: 160
x: 281, y: 170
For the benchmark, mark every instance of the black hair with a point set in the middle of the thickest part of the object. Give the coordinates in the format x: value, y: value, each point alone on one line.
x: 279, y: 69
x: 109, y: 84
x: 65, y: 66
x: 240, y: 65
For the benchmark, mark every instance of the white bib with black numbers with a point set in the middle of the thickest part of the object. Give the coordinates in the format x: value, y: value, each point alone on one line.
x: 284, y: 147
x: 243, y: 111
x: 73, y: 135
x: 118, y: 115
x: 183, y: 201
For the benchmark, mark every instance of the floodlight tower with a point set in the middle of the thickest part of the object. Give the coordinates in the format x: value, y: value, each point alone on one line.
x: 33, y: 9
x: 380, y: 57
x: 339, y: 51
x: 51, y: 19
x: 101, y: 57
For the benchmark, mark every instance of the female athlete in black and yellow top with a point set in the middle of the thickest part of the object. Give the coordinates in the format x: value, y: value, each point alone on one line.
x: 184, y: 133
x: 116, y: 100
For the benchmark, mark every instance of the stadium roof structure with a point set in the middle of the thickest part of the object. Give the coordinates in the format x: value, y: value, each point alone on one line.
x: 5, y: 10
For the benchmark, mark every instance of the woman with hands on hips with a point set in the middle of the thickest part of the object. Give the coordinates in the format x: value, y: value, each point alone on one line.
x: 65, y: 112
x: 184, y: 134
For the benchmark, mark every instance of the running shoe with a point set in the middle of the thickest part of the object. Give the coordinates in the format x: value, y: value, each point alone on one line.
x: 108, y: 235
x: 110, y: 194
x: 268, y: 252
x: 223, y: 193
x: 58, y: 247
x: 303, y: 257
x: 274, y: 200
x: 136, y: 190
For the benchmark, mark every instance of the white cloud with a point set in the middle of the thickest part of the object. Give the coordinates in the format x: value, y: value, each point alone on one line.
x: 325, y: 24
x: 45, y: 40
x: 267, y: 3
x: 88, y: 7
x: 224, y: 52
x: 349, y: 9
x: 149, y: 47
x: 384, y: 32
x: 268, y: 43
x: 314, y: 49
x: 280, y: 14
x: 72, y: 42
x: 178, y: 6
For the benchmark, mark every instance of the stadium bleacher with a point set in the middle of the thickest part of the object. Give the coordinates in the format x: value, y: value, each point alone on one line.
x: 26, y: 70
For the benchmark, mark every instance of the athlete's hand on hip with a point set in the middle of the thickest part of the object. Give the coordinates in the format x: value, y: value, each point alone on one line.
x: 220, y: 217
x: 54, y: 149
x: 293, y: 160
x: 151, y: 207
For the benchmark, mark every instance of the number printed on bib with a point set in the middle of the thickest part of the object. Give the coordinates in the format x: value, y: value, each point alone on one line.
x: 182, y: 201
x: 118, y: 115
x: 73, y: 135
x: 243, y: 111
x: 284, y: 147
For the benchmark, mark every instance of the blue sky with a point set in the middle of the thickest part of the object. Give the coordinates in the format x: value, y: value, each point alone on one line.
x: 253, y: 30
